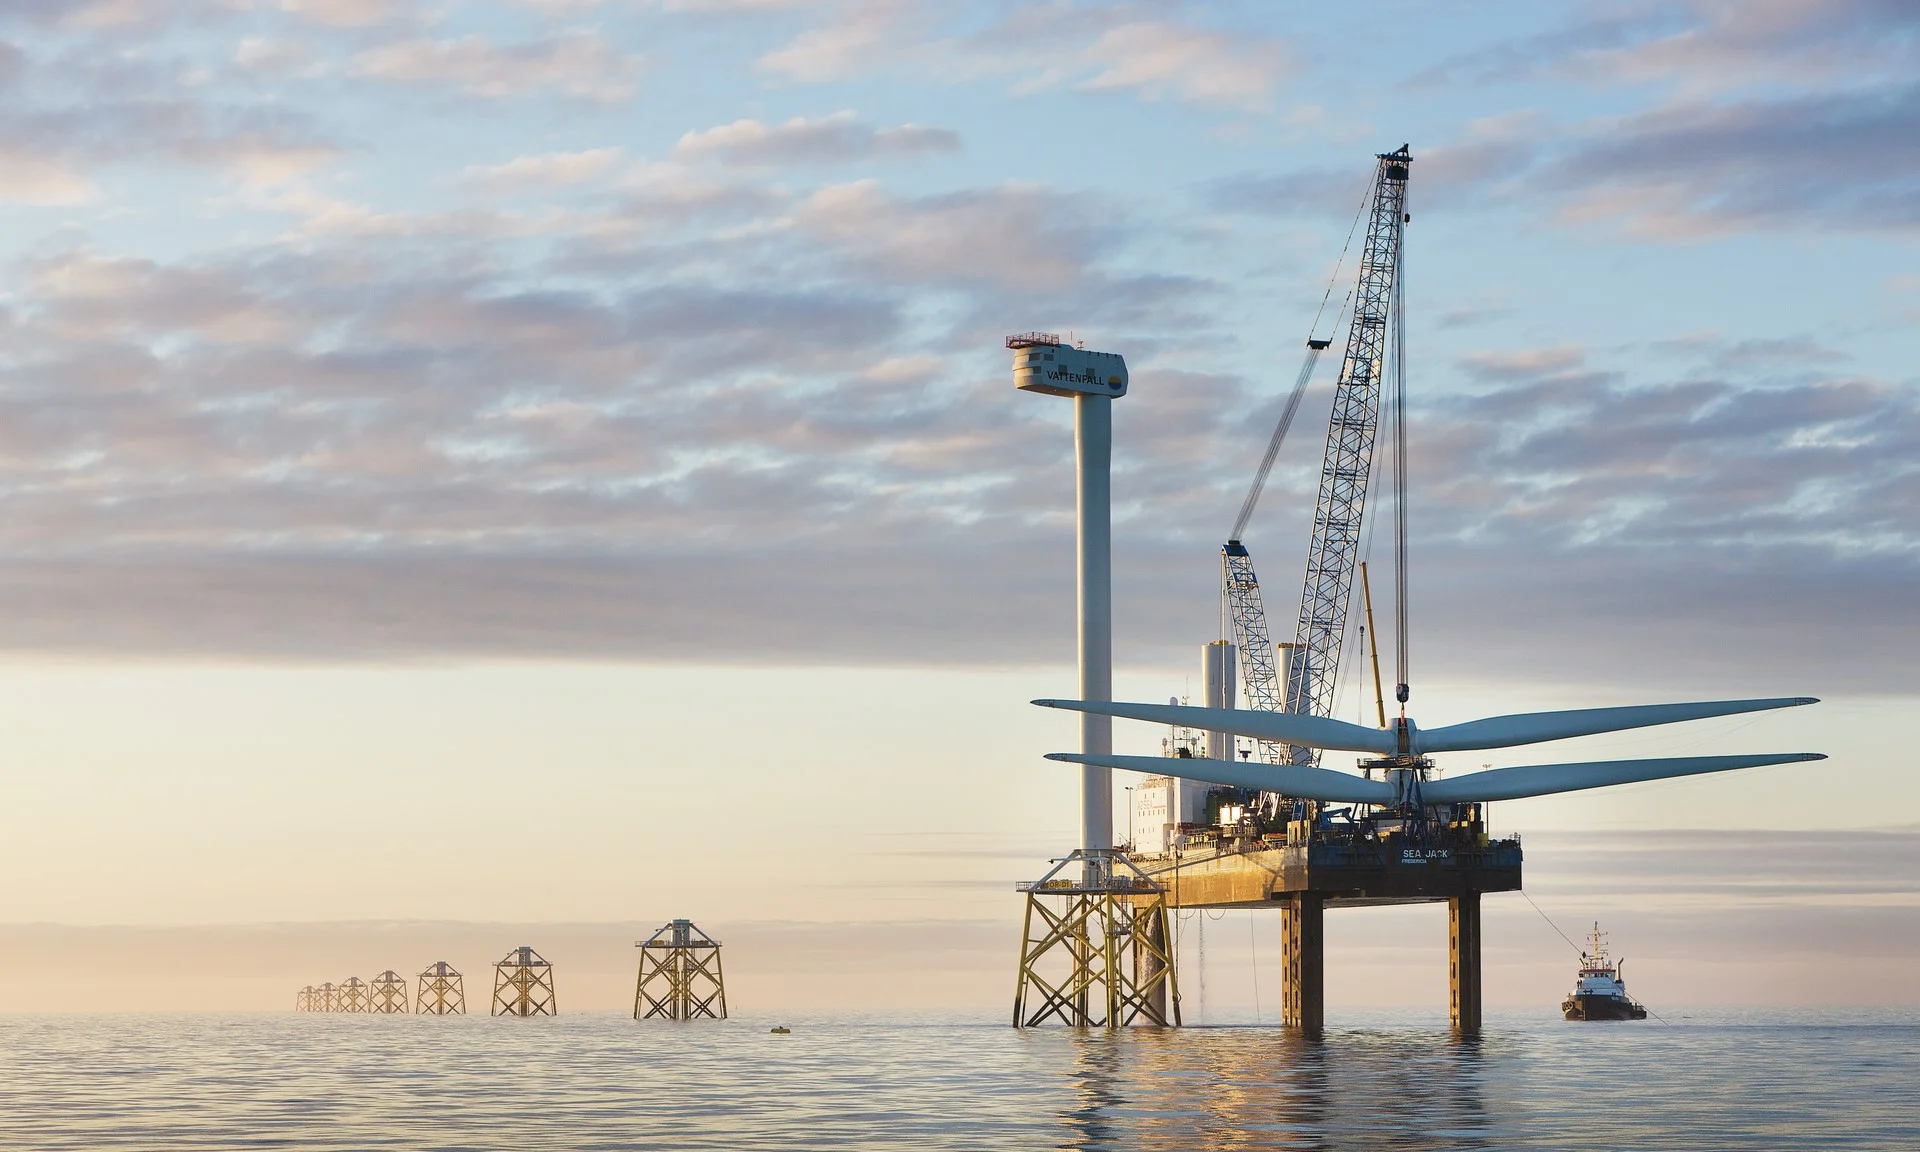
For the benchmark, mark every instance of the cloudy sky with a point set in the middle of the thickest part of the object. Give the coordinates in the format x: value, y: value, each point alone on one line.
x: 521, y: 460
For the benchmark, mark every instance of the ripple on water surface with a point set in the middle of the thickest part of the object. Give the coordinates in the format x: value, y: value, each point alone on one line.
x: 606, y: 1082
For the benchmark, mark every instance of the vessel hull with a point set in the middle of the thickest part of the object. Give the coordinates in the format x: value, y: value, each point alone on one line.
x: 1601, y: 1008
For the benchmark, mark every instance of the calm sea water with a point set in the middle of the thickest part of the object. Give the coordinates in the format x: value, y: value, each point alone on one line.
x: 604, y: 1082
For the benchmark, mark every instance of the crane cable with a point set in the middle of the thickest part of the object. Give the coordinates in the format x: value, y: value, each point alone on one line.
x: 1366, y: 197
x: 1400, y: 691
x: 1314, y: 348
x: 1253, y: 946
x: 1353, y: 594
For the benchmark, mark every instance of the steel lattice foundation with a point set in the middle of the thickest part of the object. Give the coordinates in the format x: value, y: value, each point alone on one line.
x: 680, y: 975
x: 389, y: 994
x: 523, y: 985
x: 442, y: 991
x: 1096, y: 953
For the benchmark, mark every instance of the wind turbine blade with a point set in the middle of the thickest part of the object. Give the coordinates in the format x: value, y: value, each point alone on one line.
x: 1548, y: 779
x: 1281, y: 727
x: 1534, y: 727
x: 1290, y: 779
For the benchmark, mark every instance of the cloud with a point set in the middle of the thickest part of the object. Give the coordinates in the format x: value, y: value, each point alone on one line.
x: 71, y: 117
x: 1313, y: 191
x: 831, y: 139
x: 394, y: 399
x: 26, y: 178
x: 861, y: 37
x: 343, y: 13
x: 550, y: 169
x: 236, y: 456
x: 53, y: 148
x: 1705, y: 46
x: 1831, y: 161
x: 1749, y: 484
x: 112, y: 17
x: 1021, y: 238
x: 701, y: 6
x: 1526, y: 364
x: 261, y: 54
x: 502, y: 444
x: 579, y: 64
x: 88, y: 296
x: 1792, y: 114
x: 1825, y: 161
x: 1484, y: 166
x: 1730, y: 44
x: 1697, y: 458
x: 1473, y: 313
x: 297, y: 429
x: 1777, y: 869
x: 1163, y: 60
x: 1128, y: 47
x: 690, y: 377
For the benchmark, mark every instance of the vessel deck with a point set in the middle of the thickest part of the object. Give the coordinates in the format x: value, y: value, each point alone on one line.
x: 1356, y: 873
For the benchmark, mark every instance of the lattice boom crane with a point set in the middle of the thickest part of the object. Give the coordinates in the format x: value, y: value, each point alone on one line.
x: 1307, y: 683
x: 1351, y: 432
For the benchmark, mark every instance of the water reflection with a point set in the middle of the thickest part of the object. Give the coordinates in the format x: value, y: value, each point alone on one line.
x: 604, y: 1082
x: 1097, y: 1076
x: 1264, y: 1088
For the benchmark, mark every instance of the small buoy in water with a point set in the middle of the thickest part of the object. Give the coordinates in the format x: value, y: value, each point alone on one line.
x: 778, y: 1030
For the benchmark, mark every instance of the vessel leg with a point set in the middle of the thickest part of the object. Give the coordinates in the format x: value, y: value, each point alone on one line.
x: 1081, y: 949
x: 1151, y: 966
x: 1112, y: 912
x: 1026, y: 958
x: 1463, y: 962
x: 1303, y: 924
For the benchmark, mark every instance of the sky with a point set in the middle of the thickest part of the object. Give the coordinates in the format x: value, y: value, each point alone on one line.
x: 529, y: 463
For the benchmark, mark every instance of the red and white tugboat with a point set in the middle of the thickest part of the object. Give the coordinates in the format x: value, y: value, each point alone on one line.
x: 1601, y: 993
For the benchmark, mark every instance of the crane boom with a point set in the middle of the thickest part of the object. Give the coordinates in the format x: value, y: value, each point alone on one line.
x: 1259, y: 485
x: 1246, y: 616
x: 1260, y: 680
x: 1344, y: 473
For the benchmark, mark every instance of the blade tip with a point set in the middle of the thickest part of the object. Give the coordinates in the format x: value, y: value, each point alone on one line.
x: 1064, y: 757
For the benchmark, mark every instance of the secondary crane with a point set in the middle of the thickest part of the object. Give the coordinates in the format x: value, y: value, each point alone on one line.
x: 1308, y: 682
